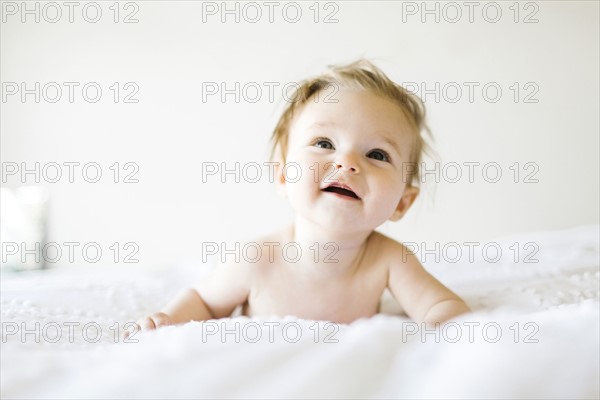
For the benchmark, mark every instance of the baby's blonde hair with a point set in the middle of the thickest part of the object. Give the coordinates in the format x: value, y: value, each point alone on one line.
x: 361, y: 74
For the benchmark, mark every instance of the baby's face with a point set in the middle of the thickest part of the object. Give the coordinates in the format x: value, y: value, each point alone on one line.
x: 351, y: 155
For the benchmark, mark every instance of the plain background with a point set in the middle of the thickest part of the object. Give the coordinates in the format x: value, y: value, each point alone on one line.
x: 170, y: 132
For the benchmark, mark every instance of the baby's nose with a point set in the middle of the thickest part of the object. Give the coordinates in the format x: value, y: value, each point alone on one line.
x: 347, y: 164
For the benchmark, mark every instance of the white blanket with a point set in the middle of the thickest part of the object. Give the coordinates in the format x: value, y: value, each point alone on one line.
x: 534, y: 333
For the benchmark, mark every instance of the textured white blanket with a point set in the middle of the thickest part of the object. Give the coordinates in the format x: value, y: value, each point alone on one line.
x: 534, y: 333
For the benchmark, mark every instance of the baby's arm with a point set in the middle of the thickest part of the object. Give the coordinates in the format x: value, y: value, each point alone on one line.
x: 214, y: 297
x: 422, y: 296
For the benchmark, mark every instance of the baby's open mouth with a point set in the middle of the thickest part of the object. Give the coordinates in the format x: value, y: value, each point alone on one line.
x: 342, y: 190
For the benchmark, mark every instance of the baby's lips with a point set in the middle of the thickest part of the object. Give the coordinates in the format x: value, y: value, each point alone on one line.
x: 341, y: 186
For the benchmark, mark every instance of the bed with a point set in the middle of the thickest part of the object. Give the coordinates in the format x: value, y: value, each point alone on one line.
x: 534, y: 333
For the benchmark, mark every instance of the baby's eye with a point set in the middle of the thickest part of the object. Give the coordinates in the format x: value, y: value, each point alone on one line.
x: 379, y: 155
x: 323, y: 143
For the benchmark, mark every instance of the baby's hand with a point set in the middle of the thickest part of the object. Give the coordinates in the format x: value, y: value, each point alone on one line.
x: 152, y: 321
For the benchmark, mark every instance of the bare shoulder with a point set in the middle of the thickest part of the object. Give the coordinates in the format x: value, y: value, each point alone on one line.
x: 241, y: 266
x: 392, y: 253
x: 403, y: 268
x: 267, y: 249
x: 245, y: 260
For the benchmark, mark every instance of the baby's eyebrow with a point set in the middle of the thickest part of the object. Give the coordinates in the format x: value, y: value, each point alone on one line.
x: 325, y: 124
x: 386, y: 138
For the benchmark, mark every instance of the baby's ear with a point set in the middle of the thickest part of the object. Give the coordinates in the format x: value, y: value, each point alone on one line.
x: 280, y: 179
x: 408, y: 198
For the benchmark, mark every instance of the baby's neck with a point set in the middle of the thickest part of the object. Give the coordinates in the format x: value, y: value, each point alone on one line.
x: 328, y: 251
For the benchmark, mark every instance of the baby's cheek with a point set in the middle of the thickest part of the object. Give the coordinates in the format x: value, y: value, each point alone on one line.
x: 299, y: 179
x: 309, y: 169
x: 389, y: 210
x: 291, y: 169
x: 389, y: 202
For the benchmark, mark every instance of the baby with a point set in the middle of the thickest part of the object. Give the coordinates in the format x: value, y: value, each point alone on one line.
x: 351, y: 132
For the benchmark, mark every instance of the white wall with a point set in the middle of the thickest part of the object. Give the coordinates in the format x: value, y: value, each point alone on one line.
x: 170, y: 52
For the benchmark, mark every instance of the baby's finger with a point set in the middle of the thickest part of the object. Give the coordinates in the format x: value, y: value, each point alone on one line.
x: 146, y: 323
x: 160, y: 319
x: 127, y: 333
